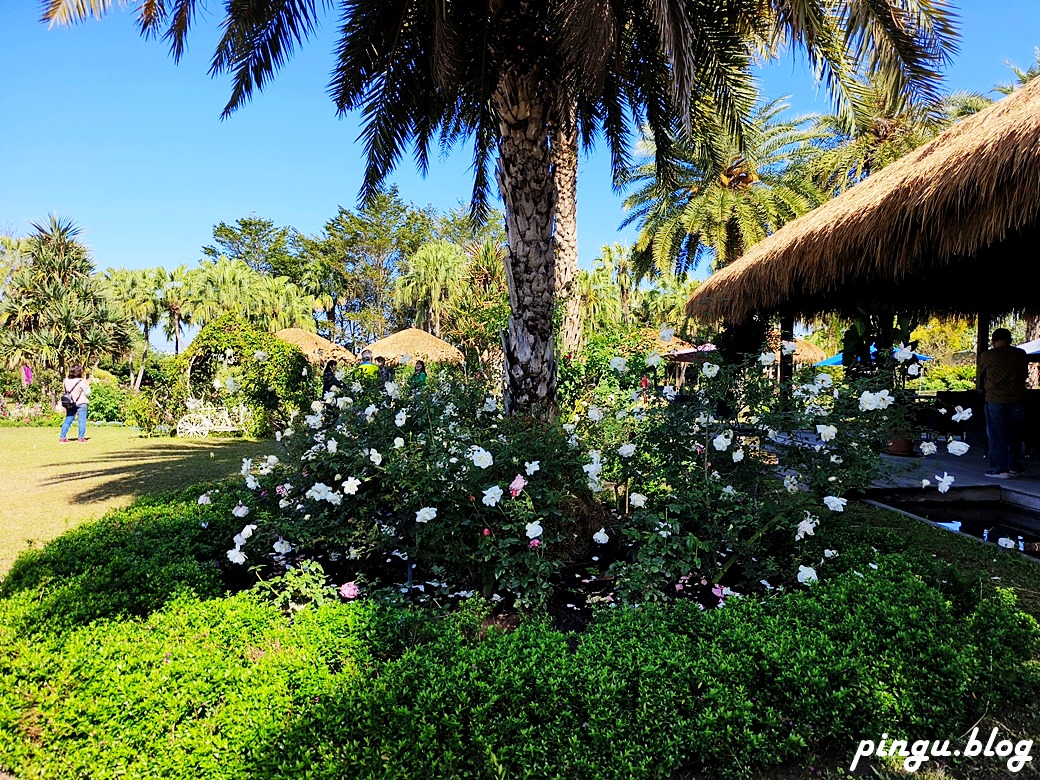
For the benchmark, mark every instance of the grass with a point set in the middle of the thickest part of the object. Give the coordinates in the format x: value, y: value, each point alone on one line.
x: 49, y: 487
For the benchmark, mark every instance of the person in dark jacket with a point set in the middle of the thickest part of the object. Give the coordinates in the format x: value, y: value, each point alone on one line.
x: 1002, y: 379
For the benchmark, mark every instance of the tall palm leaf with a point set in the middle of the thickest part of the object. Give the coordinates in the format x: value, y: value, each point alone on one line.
x: 431, y: 277
x: 721, y: 206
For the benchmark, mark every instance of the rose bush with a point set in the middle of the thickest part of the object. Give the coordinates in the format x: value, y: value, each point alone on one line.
x: 432, y: 491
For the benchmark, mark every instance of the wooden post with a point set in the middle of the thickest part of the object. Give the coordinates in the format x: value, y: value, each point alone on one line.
x: 983, y: 342
x: 786, y: 361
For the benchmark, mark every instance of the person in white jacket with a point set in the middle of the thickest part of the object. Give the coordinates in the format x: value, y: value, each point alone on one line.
x: 77, y: 388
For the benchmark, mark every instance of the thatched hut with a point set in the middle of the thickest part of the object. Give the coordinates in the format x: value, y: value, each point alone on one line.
x: 317, y: 349
x: 652, y: 337
x: 951, y: 228
x: 416, y: 344
x: 806, y: 353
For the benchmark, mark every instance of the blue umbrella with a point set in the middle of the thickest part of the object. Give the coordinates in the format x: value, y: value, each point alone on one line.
x: 835, y: 360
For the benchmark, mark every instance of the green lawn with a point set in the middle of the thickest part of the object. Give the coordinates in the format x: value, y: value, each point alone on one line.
x: 49, y: 487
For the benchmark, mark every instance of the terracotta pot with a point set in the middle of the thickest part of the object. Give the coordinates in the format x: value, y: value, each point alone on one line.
x: 900, y: 444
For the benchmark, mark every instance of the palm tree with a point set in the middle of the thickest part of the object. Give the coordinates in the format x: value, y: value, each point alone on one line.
x: 55, y: 312
x: 883, y: 131
x: 176, y: 295
x: 478, y: 311
x: 617, y: 260
x: 283, y: 305
x: 506, y: 73
x: 1022, y: 77
x: 664, y: 303
x: 431, y: 277
x: 598, y: 297
x: 135, y: 292
x: 722, y: 205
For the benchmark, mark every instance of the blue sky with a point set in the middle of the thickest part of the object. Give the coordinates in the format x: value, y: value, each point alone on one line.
x: 101, y: 126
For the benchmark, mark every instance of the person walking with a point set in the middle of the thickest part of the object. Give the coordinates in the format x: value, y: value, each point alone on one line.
x: 1002, y: 379
x: 78, y: 389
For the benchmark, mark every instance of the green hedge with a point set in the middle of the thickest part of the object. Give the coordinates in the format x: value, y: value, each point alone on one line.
x: 121, y: 655
x: 230, y: 688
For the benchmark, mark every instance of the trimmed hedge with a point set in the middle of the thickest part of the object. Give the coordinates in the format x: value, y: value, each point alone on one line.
x: 231, y: 688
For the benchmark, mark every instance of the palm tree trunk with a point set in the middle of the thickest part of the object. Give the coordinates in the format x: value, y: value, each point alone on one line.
x: 565, y: 233
x: 528, y: 193
x: 140, y: 371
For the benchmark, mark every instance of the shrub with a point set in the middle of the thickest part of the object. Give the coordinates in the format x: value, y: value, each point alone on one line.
x: 231, y: 362
x: 107, y: 402
x: 234, y: 688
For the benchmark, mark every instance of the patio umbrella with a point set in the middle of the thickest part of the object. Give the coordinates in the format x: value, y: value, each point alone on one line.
x: 835, y: 360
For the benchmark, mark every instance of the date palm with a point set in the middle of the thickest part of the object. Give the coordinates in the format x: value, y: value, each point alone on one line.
x: 721, y: 204
x: 883, y: 131
x: 505, y: 73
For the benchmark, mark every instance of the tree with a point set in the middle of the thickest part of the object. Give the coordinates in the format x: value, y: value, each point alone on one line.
x: 430, y: 278
x: 479, y: 311
x: 1022, y: 77
x: 664, y: 303
x: 176, y: 296
x: 883, y: 131
x: 136, y: 291
x: 357, y: 258
x: 257, y: 243
x: 597, y: 294
x: 722, y: 204
x: 505, y: 73
x: 12, y: 253
x: 55, y: 312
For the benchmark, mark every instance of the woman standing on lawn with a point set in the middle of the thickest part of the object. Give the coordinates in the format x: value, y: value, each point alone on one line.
x: 77, y: 388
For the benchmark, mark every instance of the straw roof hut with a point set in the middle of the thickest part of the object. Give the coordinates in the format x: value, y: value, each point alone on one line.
x: 317, y: 349
x: 417, y: 344
x: 949, y: 228
x: 652, y: 337
x: 807, y: 353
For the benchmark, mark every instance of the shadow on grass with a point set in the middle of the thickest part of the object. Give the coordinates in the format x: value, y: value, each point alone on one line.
x: 134, y: 472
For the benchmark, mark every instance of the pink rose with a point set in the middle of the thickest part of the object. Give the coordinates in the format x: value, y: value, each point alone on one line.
x: 487, y: 532
x: 516, y: 486
x: 536, y: 543
x: 349, y: 590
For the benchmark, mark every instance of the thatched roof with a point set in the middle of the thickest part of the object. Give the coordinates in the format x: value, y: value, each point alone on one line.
x: 652, y: 337
x: 317, y: 349
x: 949, y: 228
x: 417, y: 344
x: 807, y: 353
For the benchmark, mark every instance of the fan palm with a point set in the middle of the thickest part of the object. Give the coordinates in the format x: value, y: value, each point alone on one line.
x: 505, y: 73
x: 723, y: 204
x: 175, y: 302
